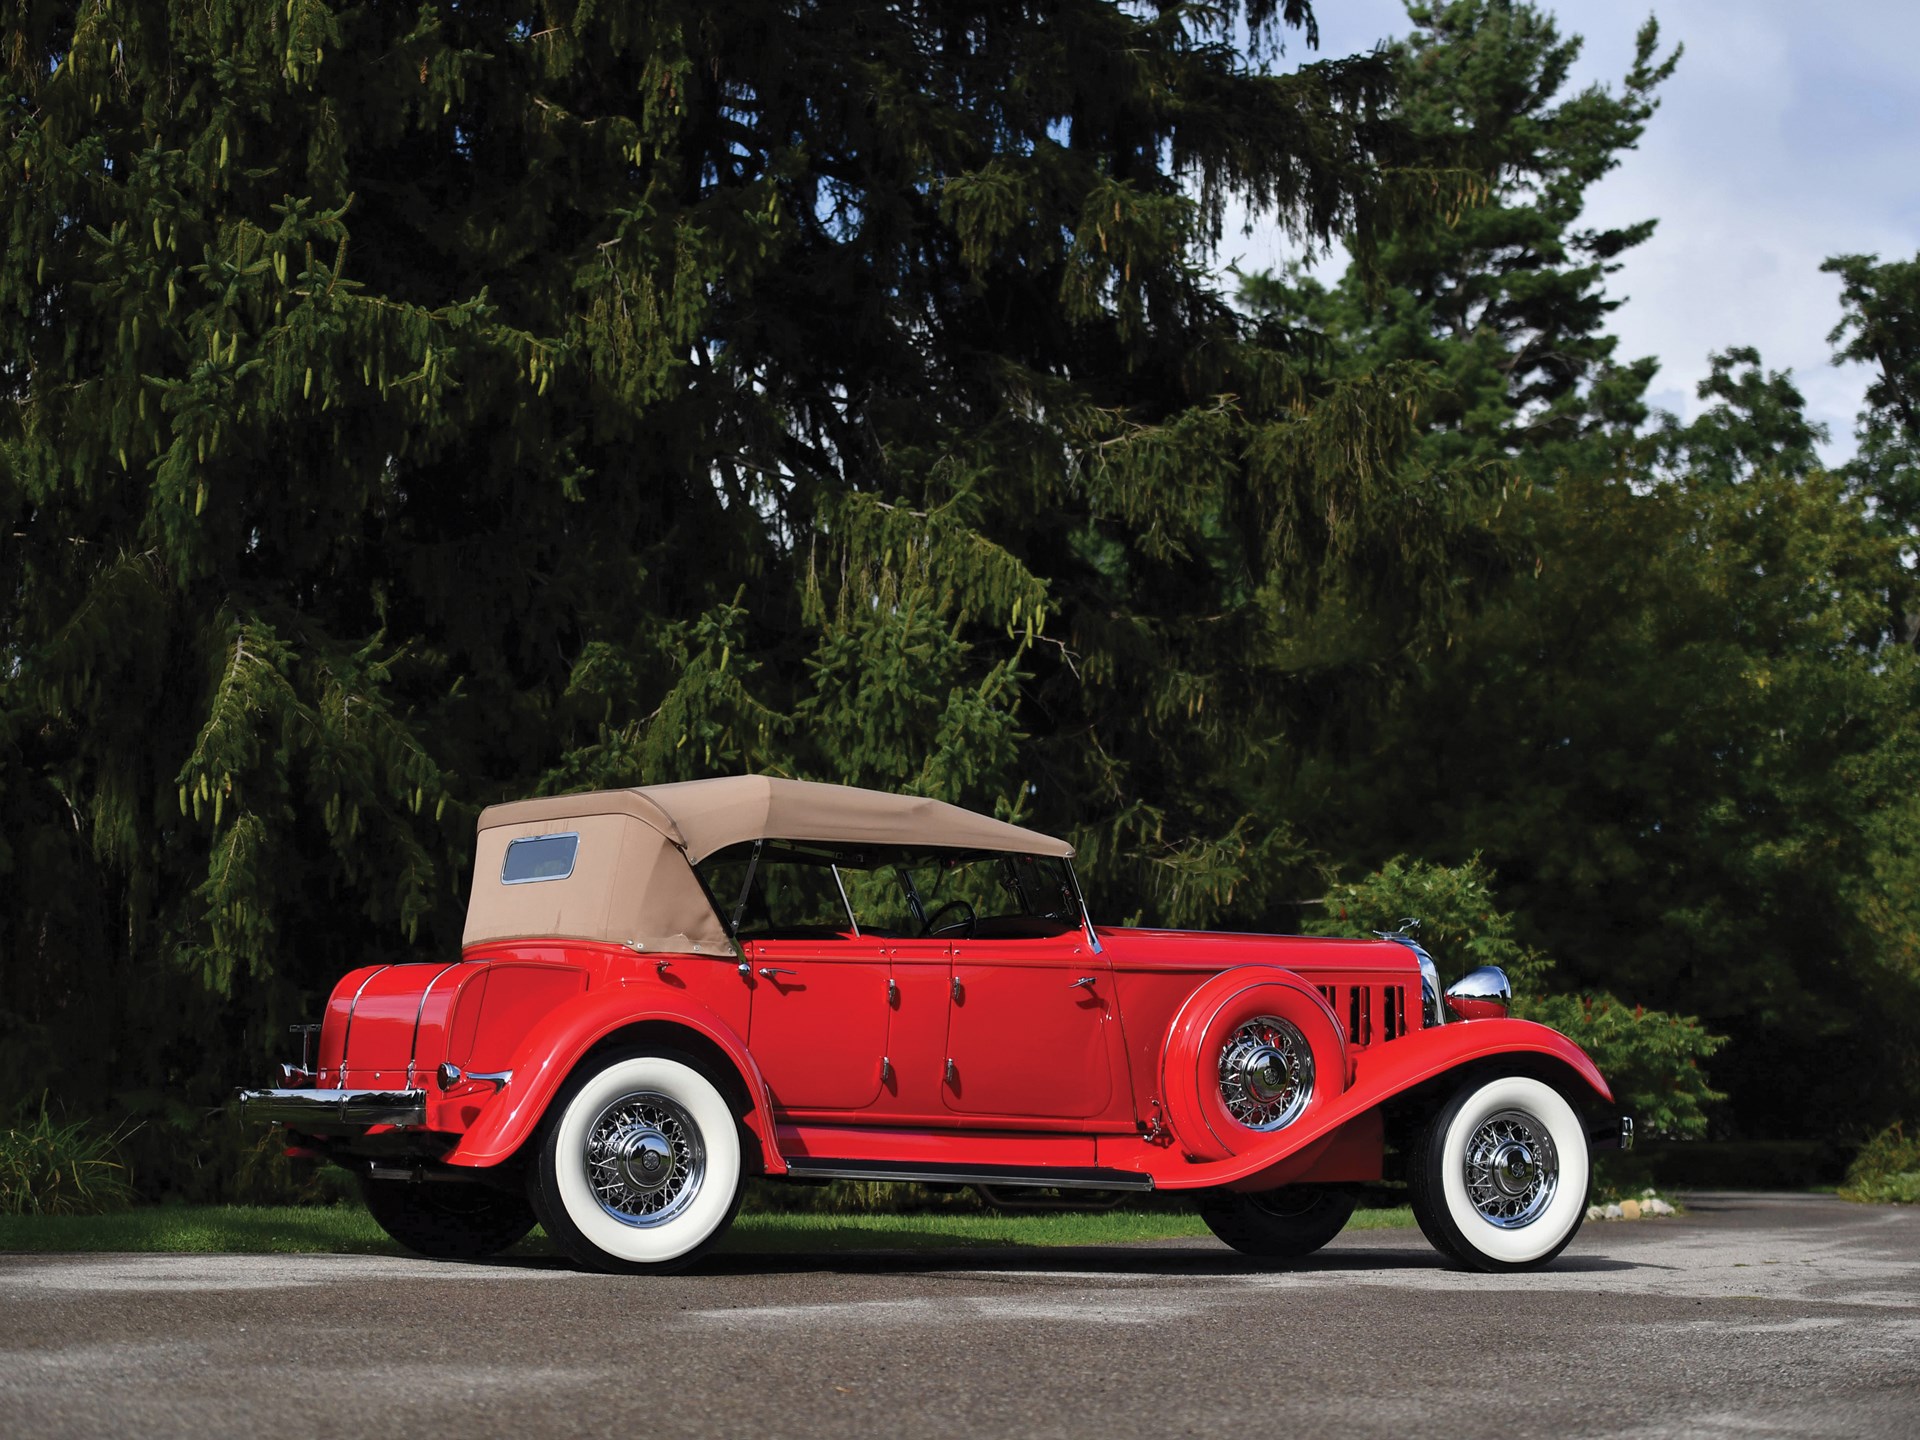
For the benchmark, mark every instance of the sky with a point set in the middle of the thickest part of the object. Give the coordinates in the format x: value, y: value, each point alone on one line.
x: 1789, y: 133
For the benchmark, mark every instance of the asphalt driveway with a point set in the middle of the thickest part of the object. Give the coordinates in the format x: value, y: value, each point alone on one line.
x: 1752, y: 1316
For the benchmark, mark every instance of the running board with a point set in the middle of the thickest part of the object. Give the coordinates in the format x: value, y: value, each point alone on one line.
x: 1078, y: 1178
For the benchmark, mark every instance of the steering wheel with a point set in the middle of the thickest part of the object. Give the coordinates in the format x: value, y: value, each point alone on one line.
x: 963, y: 925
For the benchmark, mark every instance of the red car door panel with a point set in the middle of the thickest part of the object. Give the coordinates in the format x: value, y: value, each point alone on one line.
x: 819, y: 1023
x: 1027, y: 1029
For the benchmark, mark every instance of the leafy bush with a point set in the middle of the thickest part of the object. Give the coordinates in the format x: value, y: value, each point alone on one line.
x: 1448, y: 909
x: 50, y: 1167
x: 1886, y: 1171
x: 1650, y: 1058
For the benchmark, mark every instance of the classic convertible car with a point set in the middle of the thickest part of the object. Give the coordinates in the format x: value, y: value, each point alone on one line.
x: 663, y: 991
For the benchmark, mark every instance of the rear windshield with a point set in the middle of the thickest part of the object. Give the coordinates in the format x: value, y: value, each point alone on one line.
x: 539, y: 857
x: 800, y: 891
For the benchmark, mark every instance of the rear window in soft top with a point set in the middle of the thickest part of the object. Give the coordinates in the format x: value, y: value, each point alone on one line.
x: 539, y: 857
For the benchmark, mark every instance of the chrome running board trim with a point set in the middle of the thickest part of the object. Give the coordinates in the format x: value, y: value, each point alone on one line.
x: 1085, y: 1178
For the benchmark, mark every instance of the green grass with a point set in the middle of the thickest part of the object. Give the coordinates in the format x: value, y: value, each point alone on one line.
x: 348, y: 1230
x: 60, y: 1167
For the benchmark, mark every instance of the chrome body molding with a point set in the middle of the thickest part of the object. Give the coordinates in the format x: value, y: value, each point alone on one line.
x: 413, y: 1050
x: 1433, y: 1010
x: 335, y: 1109
x: 346, y: 1035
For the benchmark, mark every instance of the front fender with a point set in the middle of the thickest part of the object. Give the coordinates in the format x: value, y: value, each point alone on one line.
x: 553, y: 1047
x: 1384, y: 1071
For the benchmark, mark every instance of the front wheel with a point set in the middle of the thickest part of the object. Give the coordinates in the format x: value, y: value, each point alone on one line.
x: 1278, y: 1224
x: 1500, y: 1175
x: 639, y: 1170
x: 445, y: 1220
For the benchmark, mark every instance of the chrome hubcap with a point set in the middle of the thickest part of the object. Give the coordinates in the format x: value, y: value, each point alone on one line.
x: 1511, y: 1169
x: 1266, y: 1073
x: 643, y: 1159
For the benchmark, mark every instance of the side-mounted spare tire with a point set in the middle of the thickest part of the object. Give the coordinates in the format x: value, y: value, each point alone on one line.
x: 1251, y: 1054
x: 1499, y: 1177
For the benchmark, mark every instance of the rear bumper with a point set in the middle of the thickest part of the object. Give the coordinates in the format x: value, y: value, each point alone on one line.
x: 335, y: 1109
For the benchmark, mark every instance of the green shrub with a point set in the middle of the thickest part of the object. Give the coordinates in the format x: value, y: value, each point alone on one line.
x: 1886, y: 1171
x: 71, y: 1167
x: 1452, y: 913
x: 1652, y: 1060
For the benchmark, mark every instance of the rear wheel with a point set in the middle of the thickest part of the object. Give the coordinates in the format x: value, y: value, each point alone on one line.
x: 1499, y: 1178
x: 1278, y: 1224
x: 639, y: 1169
x: 447, y: 1221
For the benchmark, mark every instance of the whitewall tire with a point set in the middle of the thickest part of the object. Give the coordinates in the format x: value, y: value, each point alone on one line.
x: 640, y: 1167
x: 1501, y: 1174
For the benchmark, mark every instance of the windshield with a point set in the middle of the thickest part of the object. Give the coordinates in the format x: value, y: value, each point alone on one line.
x: 799, y: 891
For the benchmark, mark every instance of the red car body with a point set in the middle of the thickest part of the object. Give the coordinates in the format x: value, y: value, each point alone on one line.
x: 1024, y: 1052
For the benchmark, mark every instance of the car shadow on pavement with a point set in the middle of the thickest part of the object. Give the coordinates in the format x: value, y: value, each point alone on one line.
x: 1150, y: 1259
x: 1111, y: 1260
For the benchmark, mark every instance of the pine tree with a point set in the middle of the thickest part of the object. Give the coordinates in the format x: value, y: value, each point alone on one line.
x: 406, y: 407
x: 1509, y: 303
x: 1880, y: 328
x: 1674, y: 730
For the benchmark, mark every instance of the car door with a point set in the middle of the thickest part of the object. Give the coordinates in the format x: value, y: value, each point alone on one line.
x: 818, y: 1028
x: 1028, y: 1029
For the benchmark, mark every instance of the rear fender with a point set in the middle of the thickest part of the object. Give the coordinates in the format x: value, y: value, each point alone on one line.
x: 556, y: 1045
x: 1383, y: 1071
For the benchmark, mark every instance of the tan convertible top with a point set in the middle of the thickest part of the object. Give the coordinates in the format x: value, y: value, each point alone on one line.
x: 632, y: 880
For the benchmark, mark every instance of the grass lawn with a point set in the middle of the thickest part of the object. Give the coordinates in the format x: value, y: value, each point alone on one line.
x: 348, y: 1230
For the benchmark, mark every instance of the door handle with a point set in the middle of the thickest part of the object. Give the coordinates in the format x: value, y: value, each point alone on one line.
x: 769, y: 971
x: 1085, y: 982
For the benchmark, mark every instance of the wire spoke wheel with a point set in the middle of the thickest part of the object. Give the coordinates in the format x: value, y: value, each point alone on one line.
x: 644, y: 1159
x: 1498, y: 1177
x: 639, y: 1165
x: 1511, y: 1169
x: 1266, y: 1073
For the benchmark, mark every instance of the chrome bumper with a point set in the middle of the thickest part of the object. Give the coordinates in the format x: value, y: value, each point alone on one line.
x: 1612, y: 1132
x: 335, y: 1109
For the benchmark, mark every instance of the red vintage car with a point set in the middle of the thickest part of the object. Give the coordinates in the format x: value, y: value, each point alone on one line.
x: 665, y: 990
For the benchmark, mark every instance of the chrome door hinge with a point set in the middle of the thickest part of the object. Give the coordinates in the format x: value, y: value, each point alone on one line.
x: 958, y: 990
x: 886, y: 1071
x: 953, y: 1073
x: 893, y: 992
x: 1154, y: 1131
